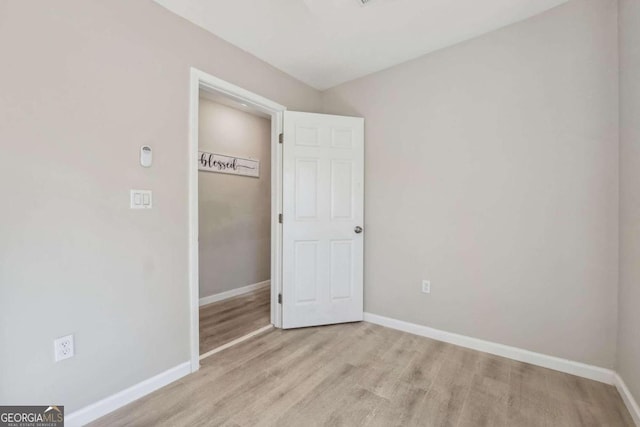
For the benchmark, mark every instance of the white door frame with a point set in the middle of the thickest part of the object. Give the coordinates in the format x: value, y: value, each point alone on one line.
x: 201, y: 80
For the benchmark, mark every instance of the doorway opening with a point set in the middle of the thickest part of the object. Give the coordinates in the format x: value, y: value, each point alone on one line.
x: 234, y: 204
x: 235, y: 180
x: 317, y: 211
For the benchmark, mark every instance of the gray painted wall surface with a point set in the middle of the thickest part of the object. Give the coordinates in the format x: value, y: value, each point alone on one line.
x: 492, y: 170
x: 85, y: 83
x: 234, y: 211
x: 629, y: 317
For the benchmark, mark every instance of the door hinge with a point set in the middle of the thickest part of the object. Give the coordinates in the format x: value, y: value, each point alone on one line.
x: 280, y: 218
x: 281, y: 138
x: 279, y: 298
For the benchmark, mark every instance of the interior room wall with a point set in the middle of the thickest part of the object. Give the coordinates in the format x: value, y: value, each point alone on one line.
x: 234, y: 211
x: 628, y: 365
x: 492, y: 170
x: 84, y: 84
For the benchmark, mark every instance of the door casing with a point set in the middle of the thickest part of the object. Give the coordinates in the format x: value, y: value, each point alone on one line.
x: 200, y: 80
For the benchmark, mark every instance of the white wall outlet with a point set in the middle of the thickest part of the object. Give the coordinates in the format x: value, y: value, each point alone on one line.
x: 63, y: 348
x: 426, y: 287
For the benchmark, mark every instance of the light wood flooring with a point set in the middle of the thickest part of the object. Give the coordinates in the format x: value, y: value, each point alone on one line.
x: 363, y: 374
x: 224, y: 321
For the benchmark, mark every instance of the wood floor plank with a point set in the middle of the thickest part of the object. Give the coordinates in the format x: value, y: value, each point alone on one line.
x: 443, y: 404
x: 363, y: 374
x: 386, y: 368
x: 424, y: 366
x: 401, y: 409
x: 302, y: 372
x: 224, y: 321
x: 486, y: 403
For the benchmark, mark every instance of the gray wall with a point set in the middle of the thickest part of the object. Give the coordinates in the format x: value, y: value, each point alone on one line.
x: 492, y: 170
x: 235, y: 211
x: 629, y: 318
x: 85, y: 83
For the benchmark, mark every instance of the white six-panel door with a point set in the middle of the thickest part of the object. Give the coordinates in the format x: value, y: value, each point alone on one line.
x: 323, y: 207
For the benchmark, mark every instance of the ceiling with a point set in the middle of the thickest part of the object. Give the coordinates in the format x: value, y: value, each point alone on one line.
x: 219, y: 98
x: 327, y: 42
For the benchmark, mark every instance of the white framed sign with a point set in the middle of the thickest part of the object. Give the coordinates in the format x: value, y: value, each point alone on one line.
x: 211, y: 162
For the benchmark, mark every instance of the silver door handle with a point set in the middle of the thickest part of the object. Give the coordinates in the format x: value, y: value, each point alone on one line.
x: 358, y: 229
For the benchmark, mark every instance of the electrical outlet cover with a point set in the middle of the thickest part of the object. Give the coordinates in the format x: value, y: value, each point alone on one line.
x: 426, y: 286
x: 63, y: 348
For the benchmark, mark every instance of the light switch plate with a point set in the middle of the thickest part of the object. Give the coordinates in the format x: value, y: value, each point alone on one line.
x: 141, y: 199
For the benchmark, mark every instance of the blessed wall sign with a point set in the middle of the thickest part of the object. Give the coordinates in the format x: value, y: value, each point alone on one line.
x: 211, y: 162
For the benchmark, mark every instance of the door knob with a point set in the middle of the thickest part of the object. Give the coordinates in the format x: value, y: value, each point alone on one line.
x: 358, y: 229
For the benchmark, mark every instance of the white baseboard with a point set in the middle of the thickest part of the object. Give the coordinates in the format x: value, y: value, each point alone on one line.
x: 233, y: 293
x: 563, y: 365
x: 103, y: 407
x: 628, y: 399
